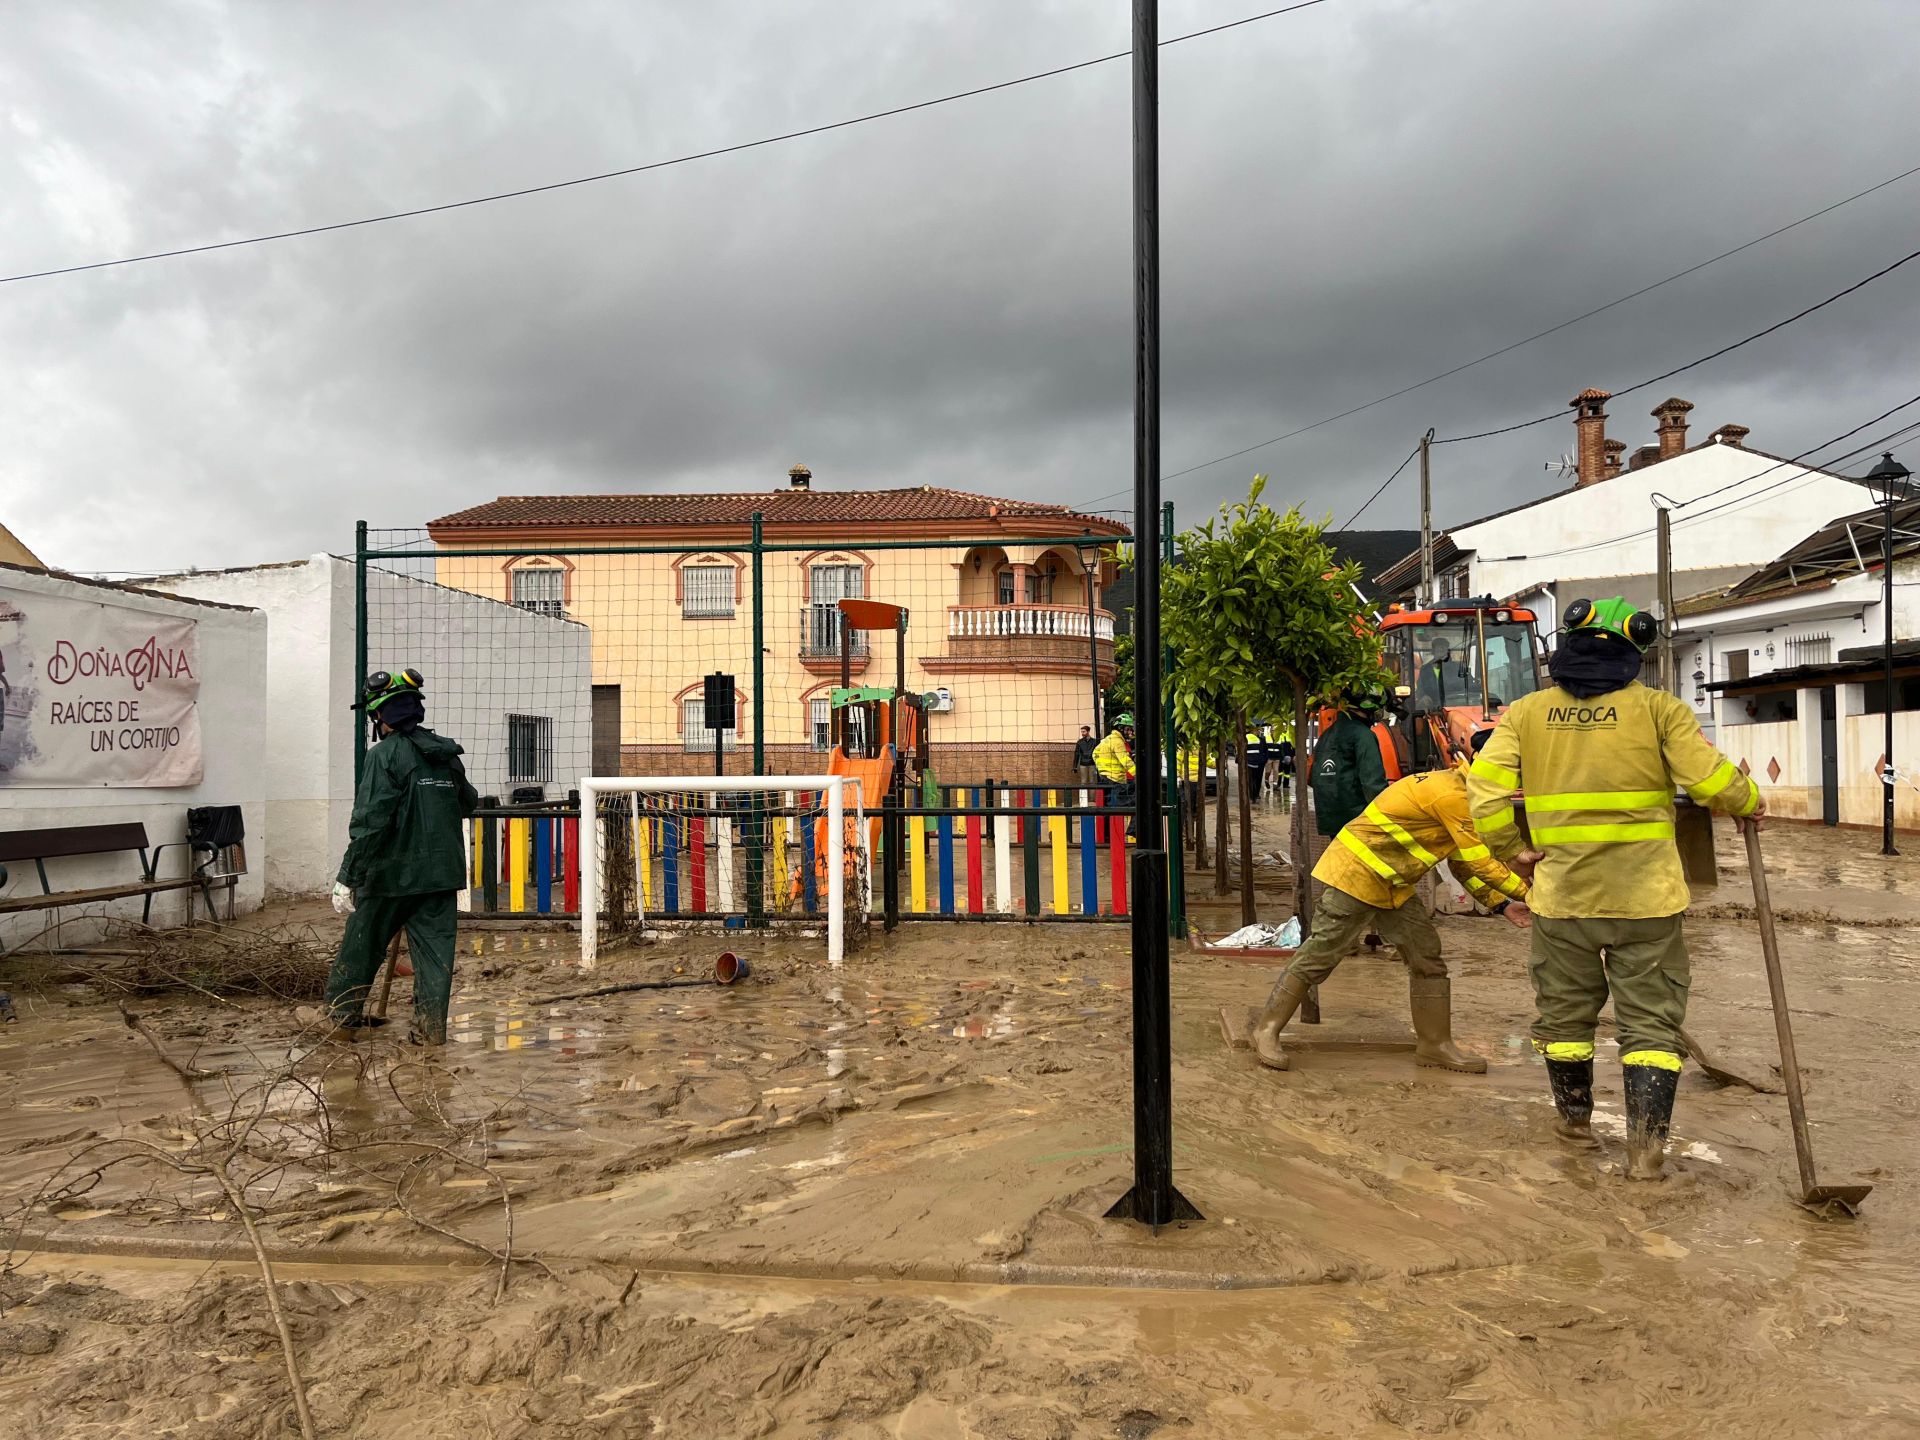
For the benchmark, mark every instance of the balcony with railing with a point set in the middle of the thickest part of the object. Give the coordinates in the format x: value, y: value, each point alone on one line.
x: 1044, y: 637
x: 820, y: 628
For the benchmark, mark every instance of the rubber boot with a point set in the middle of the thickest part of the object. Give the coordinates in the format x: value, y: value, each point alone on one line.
x: 1650, y: 1091
x: 1431, y: 998
x: 1285, y: 999
x: 1572, y: 1082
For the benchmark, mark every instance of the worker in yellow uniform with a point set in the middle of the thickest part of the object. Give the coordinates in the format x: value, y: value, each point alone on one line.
x: 1369, y: 874
x: 1600, y: 756
x: 1113, y: 758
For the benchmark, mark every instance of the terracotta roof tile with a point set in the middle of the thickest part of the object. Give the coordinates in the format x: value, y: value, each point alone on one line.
x: 780, y: 507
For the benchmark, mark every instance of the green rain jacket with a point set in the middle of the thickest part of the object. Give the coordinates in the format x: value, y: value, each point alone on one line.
x: 405, y: 836
x: 1347, y: 773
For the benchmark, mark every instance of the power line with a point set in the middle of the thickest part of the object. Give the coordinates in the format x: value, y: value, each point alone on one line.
x: 688, y: 159
x: 1794, y: 480
x: 1692, y: 364
x: 1541, y: 335
x: 1383, y: 487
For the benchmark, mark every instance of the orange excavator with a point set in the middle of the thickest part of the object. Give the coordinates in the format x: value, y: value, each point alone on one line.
x: 1458, y: 665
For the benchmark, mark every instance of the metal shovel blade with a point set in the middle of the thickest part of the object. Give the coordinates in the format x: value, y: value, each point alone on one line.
x: 1822, y: 1198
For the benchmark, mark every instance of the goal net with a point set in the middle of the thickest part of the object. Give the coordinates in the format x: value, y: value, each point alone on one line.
x: 745, y: 851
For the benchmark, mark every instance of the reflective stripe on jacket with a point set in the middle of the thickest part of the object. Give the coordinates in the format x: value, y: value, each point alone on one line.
x: 1405, y: 831
x: 1599, y: 777
x: 1112, y: 758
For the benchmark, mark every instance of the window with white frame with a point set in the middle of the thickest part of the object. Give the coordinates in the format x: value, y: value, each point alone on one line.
x: 541, y: 589
x: 820, y: 725
x: 695, y: 737
x: 706, y: 591
x: 530, y: 748
x: 827, y: 585
x: 1004, y: 591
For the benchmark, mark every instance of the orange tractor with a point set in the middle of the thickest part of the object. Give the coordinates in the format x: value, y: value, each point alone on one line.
x: 1457, y: 664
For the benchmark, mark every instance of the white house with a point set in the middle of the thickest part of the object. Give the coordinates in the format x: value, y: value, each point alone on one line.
x: 120, y: 705
x: 512, y: 686
x: 1733, y: 509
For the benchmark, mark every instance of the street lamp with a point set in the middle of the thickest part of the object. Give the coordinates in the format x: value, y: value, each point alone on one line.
x: 1089, y: 559
x: 1894, y: 479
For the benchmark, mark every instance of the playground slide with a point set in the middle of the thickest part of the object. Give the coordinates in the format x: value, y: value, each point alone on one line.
x: 874, y: 776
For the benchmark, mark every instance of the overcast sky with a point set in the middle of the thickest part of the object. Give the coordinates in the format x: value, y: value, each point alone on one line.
x: 1356, y: 196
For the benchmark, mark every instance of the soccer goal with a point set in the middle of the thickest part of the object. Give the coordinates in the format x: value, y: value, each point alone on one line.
x: 745, y: 850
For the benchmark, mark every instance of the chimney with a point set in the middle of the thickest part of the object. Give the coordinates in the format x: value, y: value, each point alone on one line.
x: 1590, y: 426
x: 1672, y: 415
x: 1614, y: 449
x: 1732, y: 434
x: 1644, y: 457
x: 800, y: 478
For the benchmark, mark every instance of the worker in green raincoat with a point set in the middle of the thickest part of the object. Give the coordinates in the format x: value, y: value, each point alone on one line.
x: 406, y: 859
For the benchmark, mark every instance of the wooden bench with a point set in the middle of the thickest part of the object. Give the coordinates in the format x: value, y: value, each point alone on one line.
x: 125, y: 837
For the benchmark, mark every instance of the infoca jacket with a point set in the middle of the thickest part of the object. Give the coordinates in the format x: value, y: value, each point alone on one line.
x: 1599, y: 777
x: 1347, y: 773
x: 1404, y: 832
x: 1112, y: 758
x: 405, y: 837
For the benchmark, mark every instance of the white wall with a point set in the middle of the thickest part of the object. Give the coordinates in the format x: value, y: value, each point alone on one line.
x: 1545, y: 540
x: 482, y: 660
x: 233, y: 646
x: 1796, y: 792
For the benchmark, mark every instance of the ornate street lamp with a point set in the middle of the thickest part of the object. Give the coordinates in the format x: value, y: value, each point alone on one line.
x: 1895, y: 483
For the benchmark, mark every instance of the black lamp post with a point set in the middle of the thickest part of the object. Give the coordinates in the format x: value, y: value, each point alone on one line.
x: 1089, y: 562
x: 1894, y: 479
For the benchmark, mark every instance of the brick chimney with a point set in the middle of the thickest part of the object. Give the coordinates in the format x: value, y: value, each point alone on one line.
x: 1672, y: 415
x: 1732, y: 434
x: 1590, y: 428
x: 1614, y: 450
x: 800, y: 478
x: 1644, y: 457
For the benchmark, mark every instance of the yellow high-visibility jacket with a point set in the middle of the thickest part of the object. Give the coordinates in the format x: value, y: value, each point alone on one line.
x: 1189, y: 765
x: 1112, y: 758
x: 1406, y: 830
x: 1599, y: 777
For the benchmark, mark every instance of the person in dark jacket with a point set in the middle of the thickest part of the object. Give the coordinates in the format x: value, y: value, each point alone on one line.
x: 1084, y: 773
x: 406, y: 860
x: 1347, y: 769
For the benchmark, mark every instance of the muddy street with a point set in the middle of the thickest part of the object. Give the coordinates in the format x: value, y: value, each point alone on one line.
x: 866, y: 1201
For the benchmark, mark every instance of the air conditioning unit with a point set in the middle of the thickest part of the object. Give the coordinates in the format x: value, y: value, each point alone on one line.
x: 939, y: 700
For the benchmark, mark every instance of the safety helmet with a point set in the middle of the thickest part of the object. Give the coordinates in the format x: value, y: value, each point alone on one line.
x: 1614, y: 616
x: 382, y: 686
x: 1124, y: 720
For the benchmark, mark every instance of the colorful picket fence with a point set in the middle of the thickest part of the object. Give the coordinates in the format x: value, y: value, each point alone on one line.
x: 1006, y: 853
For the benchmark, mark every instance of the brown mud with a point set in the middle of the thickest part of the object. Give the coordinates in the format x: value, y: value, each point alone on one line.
x: 866, y: 1203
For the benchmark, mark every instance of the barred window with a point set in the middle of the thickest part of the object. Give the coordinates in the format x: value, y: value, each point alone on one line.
x: 695, y: 737
x: 820, y: 725
x: 530, y: 748
x: 541, y: 589
x: 1810, y: 650
x: 706, y: 591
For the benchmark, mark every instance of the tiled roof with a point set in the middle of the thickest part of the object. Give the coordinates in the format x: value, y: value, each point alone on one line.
x: 780, y: 507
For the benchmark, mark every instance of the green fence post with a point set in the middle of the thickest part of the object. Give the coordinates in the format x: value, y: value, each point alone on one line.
x: 359, y: 646
x: 756, y: 822
x: 1177, y: 865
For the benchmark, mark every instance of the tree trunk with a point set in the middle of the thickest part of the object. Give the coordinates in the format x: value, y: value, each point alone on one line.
x: 1220, y: 825
x: 1246, y: 823
x: 1200, y: 806
x: 1302, y: 768
x: 1302, y: 880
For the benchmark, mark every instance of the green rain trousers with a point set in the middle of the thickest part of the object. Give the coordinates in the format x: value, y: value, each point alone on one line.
x: 1643, y: 963
x: 429, y: 922
x: 1339, y: 920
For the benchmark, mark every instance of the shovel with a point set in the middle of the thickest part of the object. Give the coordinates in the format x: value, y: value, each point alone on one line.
x: 1814, y: 1196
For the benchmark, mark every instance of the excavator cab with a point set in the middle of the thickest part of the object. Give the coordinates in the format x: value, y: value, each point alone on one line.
x: 1458, y: 665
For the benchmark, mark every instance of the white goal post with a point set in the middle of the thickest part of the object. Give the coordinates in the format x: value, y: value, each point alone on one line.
x: 834, y: 789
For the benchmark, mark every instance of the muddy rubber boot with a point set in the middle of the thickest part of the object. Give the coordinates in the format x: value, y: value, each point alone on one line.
x: 1285, y: 999
x: 1572, y: 1082
x: 1650, y: 1090
x: 1431, y: 998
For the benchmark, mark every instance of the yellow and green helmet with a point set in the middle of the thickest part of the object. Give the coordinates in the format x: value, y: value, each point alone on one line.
x: 382, y: 686
x: 1614, y: 616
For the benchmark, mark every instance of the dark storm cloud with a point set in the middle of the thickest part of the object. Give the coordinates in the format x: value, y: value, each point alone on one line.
x: 1356, y: 196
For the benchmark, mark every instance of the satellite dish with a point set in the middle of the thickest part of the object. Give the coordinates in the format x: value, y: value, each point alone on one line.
x: 1567, y: 465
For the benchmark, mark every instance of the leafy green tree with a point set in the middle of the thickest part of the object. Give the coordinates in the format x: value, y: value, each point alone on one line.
x: 1262, y: 618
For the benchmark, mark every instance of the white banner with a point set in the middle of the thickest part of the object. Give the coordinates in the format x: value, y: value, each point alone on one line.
x: 95, y: 693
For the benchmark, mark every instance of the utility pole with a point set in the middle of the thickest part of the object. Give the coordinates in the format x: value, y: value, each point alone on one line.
x: 1152, y: 1200
x: 1426, y: 524
x: 1664, y: 563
